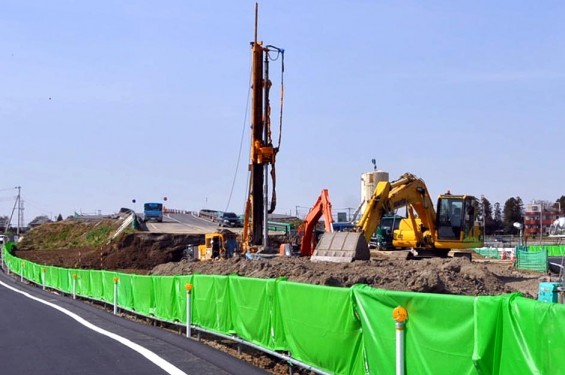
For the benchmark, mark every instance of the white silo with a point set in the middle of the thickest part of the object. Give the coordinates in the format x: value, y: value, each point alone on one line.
x: 369, y: 182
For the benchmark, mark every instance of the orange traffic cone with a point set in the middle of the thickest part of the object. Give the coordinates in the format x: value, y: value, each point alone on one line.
x: 503, y: 254
x: 512, y: 255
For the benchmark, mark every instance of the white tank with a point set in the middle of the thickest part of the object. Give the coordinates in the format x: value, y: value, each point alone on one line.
x: 369, y: 182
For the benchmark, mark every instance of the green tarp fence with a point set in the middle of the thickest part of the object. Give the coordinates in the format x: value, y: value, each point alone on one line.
x: 526, y: 259
x: 339, y: 330
x: 552, y: 250
x: 488, y: 252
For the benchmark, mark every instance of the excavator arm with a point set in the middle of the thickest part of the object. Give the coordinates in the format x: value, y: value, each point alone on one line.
x: 321, y: 207
x: 408, y: 191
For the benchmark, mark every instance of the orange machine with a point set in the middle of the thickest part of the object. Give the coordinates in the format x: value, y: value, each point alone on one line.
x: 321, y: 207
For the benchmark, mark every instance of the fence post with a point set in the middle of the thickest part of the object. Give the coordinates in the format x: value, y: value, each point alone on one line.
x: 188, y: 288
x: 116, y: 279
x: 22, y: 272
x: 74, y: 286
x: 43, y: 269
x: 399, y: 314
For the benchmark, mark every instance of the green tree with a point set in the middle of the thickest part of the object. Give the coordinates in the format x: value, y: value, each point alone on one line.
x: 497, y: 217
x: 486, y: 212
x: 561, y: 204
x: 60, y: 217
x: 513, y: 212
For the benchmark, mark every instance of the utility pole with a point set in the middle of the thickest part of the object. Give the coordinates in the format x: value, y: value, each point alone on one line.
x: 20, y: 209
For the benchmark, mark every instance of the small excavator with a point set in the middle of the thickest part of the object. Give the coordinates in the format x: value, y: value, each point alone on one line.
x: 425, y: 232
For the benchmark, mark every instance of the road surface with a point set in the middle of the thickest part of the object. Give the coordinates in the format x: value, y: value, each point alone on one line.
x: 43, y: 333
x: 185, y: 224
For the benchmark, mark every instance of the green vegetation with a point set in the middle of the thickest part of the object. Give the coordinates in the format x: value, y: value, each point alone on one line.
x: 69, y: 234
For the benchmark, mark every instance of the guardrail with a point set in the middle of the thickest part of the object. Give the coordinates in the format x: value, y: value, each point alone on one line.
x: 330, y: 329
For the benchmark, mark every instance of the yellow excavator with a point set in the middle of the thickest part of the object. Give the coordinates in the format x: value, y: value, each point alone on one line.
x: 425, y: 232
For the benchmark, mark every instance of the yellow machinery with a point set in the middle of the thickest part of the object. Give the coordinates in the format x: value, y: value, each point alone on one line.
x: 213, y: 247
x: 455, y: 226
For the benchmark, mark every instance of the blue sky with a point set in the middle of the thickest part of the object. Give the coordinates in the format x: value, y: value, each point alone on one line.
x: 103, y: 102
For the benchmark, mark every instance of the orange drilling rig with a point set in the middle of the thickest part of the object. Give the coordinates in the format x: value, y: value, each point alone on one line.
x: 263, y: 152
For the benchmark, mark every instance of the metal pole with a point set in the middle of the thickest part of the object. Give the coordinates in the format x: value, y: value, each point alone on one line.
x: 265, y: 208
x: 188, y: 288
x: 43, y: 278
x: 74, y: 286
x: 22, y: 272
x: 116, y: 279
x: 399, y: 315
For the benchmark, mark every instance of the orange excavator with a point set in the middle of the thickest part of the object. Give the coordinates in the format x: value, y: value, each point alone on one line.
x: 322, y: 207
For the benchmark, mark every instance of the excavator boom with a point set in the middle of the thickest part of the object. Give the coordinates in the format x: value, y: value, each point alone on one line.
x: 321, y: 207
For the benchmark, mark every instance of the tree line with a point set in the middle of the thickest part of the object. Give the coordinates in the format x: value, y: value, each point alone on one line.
x: 500, y: 220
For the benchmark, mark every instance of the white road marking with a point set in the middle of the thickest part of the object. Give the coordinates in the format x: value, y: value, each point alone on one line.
x: 160, y: 362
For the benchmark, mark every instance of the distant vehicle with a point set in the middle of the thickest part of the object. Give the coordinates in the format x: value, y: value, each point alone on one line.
x: 229, y: 219
x: 3, y: 239
x: 153, y: 211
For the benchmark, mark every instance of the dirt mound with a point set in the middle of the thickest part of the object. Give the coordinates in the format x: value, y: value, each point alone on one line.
x: 447, y: 276
x: 134, y: 252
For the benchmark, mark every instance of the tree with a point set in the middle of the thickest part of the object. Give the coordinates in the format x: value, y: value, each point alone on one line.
x: 486, y: 212
x: 513, y: 212
x: 4, y: 222
x: 60, y: 217
x: 497, y: 217
x: 561, y: 204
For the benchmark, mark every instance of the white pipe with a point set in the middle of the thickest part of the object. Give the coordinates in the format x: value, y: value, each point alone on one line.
x: 399, y: 348
x: 74, y: 286
x: 115, y: 295
x: 399, y: 314
x: 188, y: 317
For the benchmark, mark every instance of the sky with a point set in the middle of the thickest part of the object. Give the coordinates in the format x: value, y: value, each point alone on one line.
x: 106, y: 102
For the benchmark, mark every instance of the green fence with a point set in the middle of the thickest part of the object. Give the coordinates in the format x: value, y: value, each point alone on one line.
x: 488, y: 252
x: 526, y: 259
x: 339, y: 330
x: 552, y: 250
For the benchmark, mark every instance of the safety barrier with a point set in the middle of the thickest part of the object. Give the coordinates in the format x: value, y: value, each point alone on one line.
x: 488, y: 252
x: 526, y: 259
x: 337, y: 330
x: 552, y: 250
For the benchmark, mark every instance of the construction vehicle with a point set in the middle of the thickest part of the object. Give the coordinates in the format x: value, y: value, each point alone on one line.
x: 263, y: 152
x: 455, y: 226
x: 322, y: 207
x: 221, y: 244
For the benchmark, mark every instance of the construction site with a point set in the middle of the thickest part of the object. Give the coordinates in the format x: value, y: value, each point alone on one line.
x: 405, y: 258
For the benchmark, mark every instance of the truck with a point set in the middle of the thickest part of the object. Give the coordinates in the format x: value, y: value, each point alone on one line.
x: 454, y: 226
x: 153, y: 211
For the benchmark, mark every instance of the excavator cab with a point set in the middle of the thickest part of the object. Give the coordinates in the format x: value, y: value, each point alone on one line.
x: 457, y: 218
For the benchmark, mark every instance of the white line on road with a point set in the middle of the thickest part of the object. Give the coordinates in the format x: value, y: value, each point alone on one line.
x: 160, y: 362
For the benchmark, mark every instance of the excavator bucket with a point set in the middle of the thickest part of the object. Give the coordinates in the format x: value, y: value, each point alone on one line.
x: 343, y: 247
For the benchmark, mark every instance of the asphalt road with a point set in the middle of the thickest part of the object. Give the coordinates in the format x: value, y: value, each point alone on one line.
x: 42, y: 333
x: 182, y: 223
x: 185, y: 224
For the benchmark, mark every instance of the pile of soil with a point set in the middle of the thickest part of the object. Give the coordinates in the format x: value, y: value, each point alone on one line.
x: 134, y: 252
x: 435, y: 275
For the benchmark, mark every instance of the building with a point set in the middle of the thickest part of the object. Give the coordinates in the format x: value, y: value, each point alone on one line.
x: 539, y: 215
